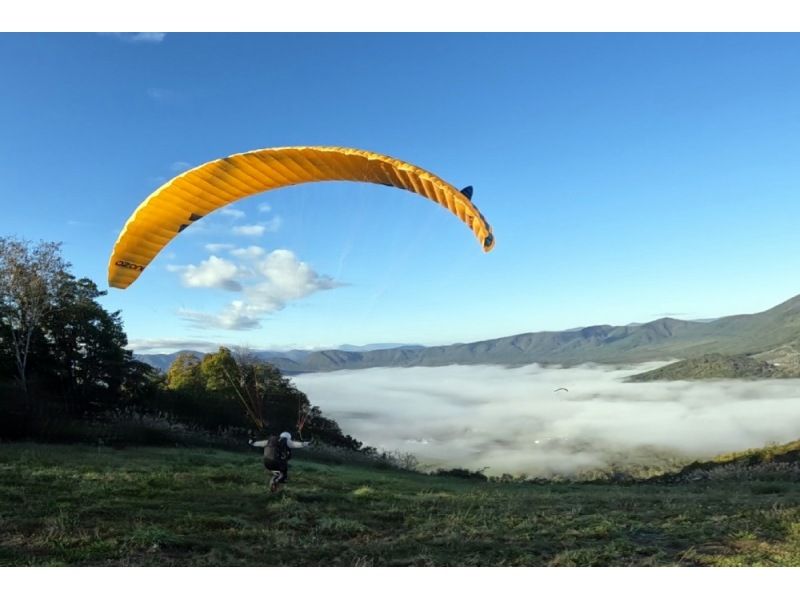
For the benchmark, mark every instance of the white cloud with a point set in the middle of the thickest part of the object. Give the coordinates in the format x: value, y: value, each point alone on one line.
x: 273, y: 280
x: 251, y: 252
x: 149, y: 346
x: 233, y: 317
x: 287, y: 278
x: 264, y: 208
x: 511, y: 420
x: 219, y: 247
x: 139, y: 38
x: 249, y: 230
x: 213, y: 273
x: 232, y: 213
x: 256, y: 230
x: 273, y: 224
x: 169, y: 345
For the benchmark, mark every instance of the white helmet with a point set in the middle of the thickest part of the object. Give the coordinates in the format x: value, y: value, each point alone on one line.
x: 286, y: 435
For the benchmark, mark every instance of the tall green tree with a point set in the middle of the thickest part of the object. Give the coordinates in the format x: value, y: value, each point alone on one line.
x: 185, y: 375
x: 86, y: 347
x: 270, y: 401
x: 219, y: 370
x: 244, y: 378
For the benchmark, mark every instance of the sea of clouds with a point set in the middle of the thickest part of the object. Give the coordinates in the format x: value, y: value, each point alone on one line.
x: 512, y: 420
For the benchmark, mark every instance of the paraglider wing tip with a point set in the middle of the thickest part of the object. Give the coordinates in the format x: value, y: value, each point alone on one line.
x: 115, y: 283
x: 488, y: 243
x: 467, y: 192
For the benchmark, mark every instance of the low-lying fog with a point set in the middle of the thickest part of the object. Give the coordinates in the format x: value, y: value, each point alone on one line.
x: 512, y: 420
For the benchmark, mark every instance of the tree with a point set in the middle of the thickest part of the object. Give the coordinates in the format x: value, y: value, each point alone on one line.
x: 31, y: 278
x: 218, y: 370
x: 246, y: 379
x: 142, y: 387
x: 269, y: 401
x: 184, y: 374
x: 228, y: 391
x: 86, y: 355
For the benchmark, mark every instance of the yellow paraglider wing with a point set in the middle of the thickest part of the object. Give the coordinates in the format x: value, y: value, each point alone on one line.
x: 198, y: 192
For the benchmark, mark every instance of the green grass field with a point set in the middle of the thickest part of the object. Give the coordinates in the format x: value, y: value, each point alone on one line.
x: 78, y: 505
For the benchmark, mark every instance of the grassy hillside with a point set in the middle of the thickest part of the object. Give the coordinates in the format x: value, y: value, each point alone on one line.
x: 712, y: 366
x: 777, y: 453
x: 72, y: 505
x: 777, y: 461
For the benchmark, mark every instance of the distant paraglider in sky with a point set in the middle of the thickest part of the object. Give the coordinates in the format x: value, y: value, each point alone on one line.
x: 197, y: 192
x: 562, y: 388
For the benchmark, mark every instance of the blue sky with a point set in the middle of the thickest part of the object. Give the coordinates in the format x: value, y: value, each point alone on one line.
x: 626, y: 177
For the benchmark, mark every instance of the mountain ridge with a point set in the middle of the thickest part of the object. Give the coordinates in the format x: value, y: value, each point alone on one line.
x: 666, y: 338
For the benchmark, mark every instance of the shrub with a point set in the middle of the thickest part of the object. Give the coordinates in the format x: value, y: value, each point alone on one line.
x: 459, y: 472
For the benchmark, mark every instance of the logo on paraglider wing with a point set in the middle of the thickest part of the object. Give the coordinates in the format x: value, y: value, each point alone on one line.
x: 129, y: 265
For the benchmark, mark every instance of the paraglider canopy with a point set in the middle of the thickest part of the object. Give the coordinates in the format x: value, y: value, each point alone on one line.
x: 197, y: 192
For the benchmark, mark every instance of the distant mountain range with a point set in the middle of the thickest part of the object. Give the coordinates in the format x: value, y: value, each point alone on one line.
x: 770, y: 336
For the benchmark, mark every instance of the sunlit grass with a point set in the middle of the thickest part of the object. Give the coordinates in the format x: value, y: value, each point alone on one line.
x: 76, y: 505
